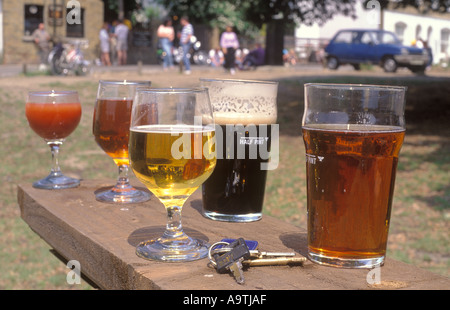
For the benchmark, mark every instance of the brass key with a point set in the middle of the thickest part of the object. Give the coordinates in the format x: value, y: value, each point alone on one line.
x: 275, y: 261
x: 256, y: 254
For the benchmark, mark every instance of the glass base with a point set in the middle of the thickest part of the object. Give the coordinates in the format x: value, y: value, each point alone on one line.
x: 129, y: 196
x: 173, y: 251
x: 56, y: 181
x: 368, y: 263
x: 240, y: 218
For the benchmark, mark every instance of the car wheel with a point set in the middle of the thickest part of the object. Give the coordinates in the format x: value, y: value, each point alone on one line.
x: 357, y: 67
x: 389, y: 64
x: 420, y: 70
x: 332, y: 63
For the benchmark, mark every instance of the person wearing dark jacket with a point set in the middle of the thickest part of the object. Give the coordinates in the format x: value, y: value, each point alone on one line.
x: 254, y: 58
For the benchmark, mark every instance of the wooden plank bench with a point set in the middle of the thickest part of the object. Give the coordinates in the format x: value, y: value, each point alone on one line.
x: 102, y: 238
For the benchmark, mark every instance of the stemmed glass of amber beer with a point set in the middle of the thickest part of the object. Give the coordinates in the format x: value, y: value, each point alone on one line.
x: 54, y: 115
x: 353, y: 135
x: 172, y: 152
x: 111, y: 128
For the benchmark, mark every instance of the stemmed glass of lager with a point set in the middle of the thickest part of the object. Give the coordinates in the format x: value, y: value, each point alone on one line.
x: 172, y: 152
x: 111, y: 127
x: 54, y: 115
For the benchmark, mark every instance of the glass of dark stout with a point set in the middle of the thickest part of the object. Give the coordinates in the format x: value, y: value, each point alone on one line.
x: 353, y: 135
x: 245, y: 114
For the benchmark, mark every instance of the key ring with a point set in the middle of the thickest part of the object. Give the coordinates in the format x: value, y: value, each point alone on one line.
x: 211, y: 247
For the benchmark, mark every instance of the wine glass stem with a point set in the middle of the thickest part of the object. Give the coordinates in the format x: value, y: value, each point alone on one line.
x: 55, y: 155
x: 123, y: 180
x: 174, y: 229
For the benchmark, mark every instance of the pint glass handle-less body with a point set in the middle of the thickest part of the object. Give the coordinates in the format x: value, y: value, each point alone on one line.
x: 353, y: 135
x: 245, y: 114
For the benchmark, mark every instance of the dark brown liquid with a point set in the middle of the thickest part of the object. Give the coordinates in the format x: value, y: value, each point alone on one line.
x: 350, y: 183
x: 237, y: 185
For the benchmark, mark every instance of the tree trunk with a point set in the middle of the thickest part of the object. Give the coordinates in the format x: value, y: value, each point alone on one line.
x: 275, y: 42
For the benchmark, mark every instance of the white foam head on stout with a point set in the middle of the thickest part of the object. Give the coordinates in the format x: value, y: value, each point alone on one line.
x: 243, y: 102
x: 233, y: 118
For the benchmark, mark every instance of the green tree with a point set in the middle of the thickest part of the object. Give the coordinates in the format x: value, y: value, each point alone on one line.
x: 248, y: 16
x: 214, y: 13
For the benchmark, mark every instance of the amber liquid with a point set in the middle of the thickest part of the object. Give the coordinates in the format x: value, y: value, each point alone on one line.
x: 170, y: 178
x: 111, y: 127
x: 350, y: 184
x: 53, y: 121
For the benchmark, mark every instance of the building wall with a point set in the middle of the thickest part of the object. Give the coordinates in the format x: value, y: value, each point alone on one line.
x: 1, y: 31
x: 411, y: 19
x: 430, y: 29
x: 19, y: 47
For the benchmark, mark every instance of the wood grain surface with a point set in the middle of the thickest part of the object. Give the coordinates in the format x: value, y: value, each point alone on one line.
x: 103, y: 237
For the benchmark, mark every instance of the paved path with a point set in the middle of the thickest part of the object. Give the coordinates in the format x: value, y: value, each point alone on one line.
x: 17, y: 69
x: 264, y: 72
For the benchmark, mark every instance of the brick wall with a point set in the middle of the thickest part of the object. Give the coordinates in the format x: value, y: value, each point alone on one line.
x: 19, y: 48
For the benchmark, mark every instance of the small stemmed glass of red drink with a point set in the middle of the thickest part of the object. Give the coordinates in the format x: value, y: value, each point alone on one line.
x: 54, y: 115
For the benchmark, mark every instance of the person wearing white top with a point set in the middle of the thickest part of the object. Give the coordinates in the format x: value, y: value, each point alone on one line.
x: 229, y: 43
x: 121, y: 32
x: 185, y: 40
x: 104, y: 45
x: 166, y: 35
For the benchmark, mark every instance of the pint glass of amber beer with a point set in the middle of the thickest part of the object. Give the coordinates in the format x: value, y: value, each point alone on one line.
x: 352, y: 135
x: 245, y: 113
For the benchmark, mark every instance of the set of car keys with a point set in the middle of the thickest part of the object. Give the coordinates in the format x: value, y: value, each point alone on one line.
x: 232, y: 255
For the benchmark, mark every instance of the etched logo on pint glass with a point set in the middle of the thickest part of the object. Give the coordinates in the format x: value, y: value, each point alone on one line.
x: 245, y: 114
x: 352, y: 135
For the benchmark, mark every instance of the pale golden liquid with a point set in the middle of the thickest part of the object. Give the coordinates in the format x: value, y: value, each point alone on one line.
x: 152, y: 160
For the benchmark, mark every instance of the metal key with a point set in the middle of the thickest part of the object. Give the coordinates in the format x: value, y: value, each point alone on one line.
x: 232, y: 260
x: 275, y: 261
x: 255, y: 254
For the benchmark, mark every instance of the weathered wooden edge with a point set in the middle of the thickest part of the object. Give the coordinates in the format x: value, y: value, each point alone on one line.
x: 51, y: 232
x: 113, y: 267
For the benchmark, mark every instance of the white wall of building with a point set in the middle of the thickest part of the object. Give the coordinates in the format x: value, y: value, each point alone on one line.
x: 409, y: 27
x: 1, y: 31
x: 435, y: 31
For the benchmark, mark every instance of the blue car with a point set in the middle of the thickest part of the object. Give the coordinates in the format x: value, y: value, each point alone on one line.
x: 380, y: 47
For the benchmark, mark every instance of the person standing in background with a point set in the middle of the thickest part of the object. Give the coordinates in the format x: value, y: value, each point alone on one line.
x: 121, y: 33
x: 104, y: 45
x: 166, y: 35
x: 113, y: 42
x: 185, y: 40
x: 42, y: 40
x: 229, y: 43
